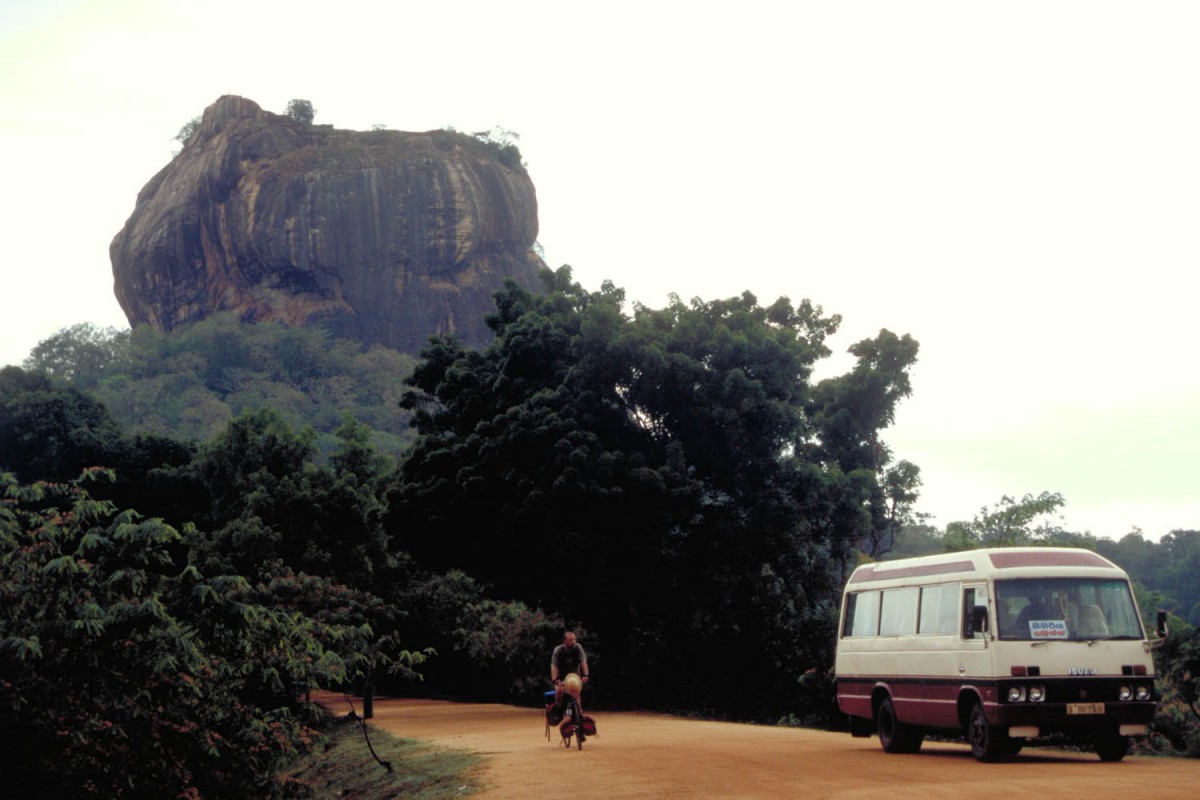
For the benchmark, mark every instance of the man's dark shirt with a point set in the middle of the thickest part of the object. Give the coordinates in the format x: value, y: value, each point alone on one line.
x: 567, y: 659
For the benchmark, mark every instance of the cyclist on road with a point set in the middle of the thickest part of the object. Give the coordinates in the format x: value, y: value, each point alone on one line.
x: 568, y: 659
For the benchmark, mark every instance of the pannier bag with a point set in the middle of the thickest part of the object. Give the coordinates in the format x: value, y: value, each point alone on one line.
x: 554, y: 711
x: 567, y: 728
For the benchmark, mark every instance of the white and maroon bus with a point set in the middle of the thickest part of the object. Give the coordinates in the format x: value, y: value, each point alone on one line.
x: 1002, y: 646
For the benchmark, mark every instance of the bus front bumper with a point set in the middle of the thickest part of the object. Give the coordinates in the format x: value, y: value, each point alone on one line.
x: 1030, y: 720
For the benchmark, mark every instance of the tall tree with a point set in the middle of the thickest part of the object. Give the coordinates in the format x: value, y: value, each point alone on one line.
x: 901, y: 484
x: 81, y: 354
x: 1010, y: 522
x: 268, y: 501
x: 651, y: 476
x: 50, y: 433
x: 850, y: 412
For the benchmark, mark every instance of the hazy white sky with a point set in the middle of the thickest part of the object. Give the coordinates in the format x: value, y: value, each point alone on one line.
x: 1015, y: 184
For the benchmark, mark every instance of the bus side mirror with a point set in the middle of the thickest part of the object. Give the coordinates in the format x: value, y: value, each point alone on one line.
x: 979, y: 619
x: 1161, y: 624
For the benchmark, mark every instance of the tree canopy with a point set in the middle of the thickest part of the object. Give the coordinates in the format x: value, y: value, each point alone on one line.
x: 301, y: 110
x: 655, y: 475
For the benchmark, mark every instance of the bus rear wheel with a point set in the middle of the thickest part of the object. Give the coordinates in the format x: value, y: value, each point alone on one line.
x: 895, y: 736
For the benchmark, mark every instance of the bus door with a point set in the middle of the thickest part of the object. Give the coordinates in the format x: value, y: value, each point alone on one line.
x: 974, y: 660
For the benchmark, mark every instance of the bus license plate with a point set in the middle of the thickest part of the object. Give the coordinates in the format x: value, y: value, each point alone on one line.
x: 1085, y: 708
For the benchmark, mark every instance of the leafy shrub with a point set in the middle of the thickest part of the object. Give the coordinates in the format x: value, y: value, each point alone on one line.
x: 487, y: 649
x: 126, y: 672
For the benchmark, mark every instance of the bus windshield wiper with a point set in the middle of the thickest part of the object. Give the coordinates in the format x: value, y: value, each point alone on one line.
x: 1114, y: 638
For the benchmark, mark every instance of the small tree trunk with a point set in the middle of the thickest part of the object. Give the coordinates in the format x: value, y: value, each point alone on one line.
x: 368, y: 698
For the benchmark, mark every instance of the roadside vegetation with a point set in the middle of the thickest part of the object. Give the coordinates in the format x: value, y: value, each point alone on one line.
x: 198, y: 529
x: 343, y: 765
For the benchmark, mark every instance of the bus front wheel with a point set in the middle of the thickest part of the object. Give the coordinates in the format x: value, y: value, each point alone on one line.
x: 1111, y: 746
x: 986, y: 740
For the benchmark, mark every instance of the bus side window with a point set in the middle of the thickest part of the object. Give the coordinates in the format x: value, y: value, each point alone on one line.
x: 898, y: 613
x: 939, y: 612
x: 848, y: 622
x: 862, y: 614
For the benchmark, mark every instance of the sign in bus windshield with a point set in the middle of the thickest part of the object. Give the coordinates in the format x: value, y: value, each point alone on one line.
x: 1048, y: 629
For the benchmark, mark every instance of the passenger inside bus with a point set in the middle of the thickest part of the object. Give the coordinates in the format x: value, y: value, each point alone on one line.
x: 1038, y: 608
x: 1091, y: 622
x: 1045, y: 605
x: 1084, y: 621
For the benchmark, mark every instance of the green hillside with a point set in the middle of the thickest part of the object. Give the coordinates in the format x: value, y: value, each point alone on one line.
x: 189, y: 384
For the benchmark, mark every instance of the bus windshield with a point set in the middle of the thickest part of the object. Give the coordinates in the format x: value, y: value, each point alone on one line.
x: 1044, y: 609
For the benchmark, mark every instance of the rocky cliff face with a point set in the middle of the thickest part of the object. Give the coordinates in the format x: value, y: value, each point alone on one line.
x: 381, y: 236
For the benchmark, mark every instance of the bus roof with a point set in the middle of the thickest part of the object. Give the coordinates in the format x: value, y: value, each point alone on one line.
x: 981, y: 564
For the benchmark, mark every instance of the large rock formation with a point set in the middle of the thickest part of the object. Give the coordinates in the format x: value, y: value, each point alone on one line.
x: 381, y: 236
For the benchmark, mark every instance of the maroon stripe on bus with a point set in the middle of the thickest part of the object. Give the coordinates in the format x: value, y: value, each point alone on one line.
x: 878, y: 573
x: 1047, y: 559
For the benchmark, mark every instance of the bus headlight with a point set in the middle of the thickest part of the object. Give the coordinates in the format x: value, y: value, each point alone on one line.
x: 1125, y: 693
x: 1142, y: 692
x: 1016, y: 694
x: 1037, y: 694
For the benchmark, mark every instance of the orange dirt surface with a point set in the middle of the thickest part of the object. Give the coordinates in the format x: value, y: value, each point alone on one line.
x: 642, y: 755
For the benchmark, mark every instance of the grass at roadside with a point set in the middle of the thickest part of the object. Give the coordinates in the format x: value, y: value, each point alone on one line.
x: 342, y: 766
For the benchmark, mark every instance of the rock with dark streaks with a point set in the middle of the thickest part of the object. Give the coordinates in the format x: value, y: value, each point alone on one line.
x: 382, y: 236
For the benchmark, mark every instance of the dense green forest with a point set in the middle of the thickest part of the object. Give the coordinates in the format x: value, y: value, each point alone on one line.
x: 190, y: 384
x: 198, y: 528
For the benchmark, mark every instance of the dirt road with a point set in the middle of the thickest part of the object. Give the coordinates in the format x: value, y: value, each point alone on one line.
x: 640, y: 755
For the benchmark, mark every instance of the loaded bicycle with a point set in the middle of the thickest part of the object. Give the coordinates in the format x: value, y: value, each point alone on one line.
x: 563, y: 710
